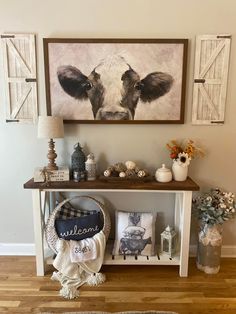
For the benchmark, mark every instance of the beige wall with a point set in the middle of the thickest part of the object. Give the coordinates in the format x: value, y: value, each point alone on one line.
x: 21, y: 151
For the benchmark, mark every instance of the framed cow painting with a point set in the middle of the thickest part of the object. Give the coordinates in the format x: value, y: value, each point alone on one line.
x: 116, y: 80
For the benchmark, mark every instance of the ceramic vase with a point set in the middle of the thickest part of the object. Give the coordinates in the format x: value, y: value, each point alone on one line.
x: 180, y: 172
x: 209, y: 248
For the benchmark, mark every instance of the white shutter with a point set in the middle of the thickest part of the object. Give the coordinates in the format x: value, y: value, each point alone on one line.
x: 19, y: 63
x: 210, y: 79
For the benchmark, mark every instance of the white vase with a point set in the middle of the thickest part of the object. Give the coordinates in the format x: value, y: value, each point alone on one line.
x: 180, y: 172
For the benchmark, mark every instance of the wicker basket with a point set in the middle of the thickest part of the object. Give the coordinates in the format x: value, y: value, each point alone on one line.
x: 50, y: 231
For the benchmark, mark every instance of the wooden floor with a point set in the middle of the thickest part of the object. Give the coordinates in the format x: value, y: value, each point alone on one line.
x: 127, y: 288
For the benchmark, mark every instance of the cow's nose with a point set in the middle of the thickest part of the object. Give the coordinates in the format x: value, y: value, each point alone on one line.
x: 109, y: 115
x: 114, y: 113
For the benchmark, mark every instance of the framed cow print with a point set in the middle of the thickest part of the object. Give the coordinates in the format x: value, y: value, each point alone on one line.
x: 116, y: 80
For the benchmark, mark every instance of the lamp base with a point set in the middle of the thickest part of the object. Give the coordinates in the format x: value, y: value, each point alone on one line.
x: 51, y: 156
x: 51, y: 167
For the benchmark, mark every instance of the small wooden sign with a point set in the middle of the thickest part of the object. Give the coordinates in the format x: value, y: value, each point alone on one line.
x: 62, y: 174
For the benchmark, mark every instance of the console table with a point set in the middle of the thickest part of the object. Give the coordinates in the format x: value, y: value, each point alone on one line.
x: 182, y: 216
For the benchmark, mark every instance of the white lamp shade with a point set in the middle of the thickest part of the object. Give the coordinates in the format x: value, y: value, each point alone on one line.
x: 50, y: 127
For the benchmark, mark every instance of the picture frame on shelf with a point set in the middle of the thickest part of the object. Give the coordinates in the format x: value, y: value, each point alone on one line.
x: 116, y: 80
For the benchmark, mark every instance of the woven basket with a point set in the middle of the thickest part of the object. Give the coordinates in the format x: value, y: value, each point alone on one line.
x: 50, y: 231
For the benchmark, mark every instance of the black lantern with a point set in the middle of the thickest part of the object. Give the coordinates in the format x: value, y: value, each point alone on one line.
x: 78, y: 164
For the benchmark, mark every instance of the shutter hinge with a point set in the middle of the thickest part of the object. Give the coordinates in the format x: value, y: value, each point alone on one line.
x: 217, y: 122
x: 7, y: 36
x: 199, y: 80
x: 223, y: 36
x: 8, y: 120
x: 28, y: 80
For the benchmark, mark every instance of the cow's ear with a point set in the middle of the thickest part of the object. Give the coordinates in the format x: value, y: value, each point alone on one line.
x: 155, y: 85
x: 74, y: 82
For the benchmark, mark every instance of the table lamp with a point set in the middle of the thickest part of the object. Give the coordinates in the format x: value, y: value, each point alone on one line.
x: 50, y: 127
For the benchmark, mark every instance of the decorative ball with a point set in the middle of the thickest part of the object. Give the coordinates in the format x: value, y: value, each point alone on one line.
x: 107, y: 173
x: 146, y: 172
x: 120, y: 167
x: 130, y: 173
x: 130, y: 165
x: 122, y: 174
x: 115, y: 173
x: 110, y: 168
x: 141, y: 174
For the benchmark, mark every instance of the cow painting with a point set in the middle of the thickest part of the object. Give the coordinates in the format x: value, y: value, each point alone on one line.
x: 113, y: 87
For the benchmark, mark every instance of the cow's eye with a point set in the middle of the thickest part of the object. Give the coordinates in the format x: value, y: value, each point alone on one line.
x: 88, y: 85
x: 138, y: 85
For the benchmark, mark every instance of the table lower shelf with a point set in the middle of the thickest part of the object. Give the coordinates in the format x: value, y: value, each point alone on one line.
x: 158, y: 259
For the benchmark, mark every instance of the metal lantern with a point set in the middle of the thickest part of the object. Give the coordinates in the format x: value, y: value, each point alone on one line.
x: 90, y: 166
x: 78, y: 163
x: 168, y: 241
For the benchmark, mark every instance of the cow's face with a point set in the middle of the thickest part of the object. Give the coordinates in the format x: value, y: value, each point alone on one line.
x: 113, y: 88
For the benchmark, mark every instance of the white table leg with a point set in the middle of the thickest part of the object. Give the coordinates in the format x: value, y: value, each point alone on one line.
x: 38, y: 232
x: 185, y: 232
x: 178, y: 203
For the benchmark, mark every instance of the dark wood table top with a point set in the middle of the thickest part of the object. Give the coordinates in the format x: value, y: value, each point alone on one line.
x: 187, y: 185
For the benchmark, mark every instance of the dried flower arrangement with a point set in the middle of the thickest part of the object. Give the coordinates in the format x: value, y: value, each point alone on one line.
x: 183, y: 152
x: 215, y: 207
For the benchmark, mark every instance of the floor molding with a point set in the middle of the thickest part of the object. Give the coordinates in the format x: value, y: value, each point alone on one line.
x: 28, y: 249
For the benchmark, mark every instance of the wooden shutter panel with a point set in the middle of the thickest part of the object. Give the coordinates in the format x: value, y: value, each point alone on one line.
x: 19, y: 63
x: 210, y: 79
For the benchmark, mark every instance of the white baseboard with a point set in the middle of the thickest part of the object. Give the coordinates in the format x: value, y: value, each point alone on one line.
x: 28, y: 249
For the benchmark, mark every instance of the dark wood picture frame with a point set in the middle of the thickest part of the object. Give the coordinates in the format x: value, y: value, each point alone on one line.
x: 153, y: 80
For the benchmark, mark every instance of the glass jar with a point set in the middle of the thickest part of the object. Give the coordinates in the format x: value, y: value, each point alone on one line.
x: 209, y: 248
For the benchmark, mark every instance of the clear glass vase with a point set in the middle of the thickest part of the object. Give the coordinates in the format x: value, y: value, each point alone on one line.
x: 209, y: 248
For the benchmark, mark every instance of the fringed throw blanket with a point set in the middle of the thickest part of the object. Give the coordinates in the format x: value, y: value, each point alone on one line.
x: 73, y: 275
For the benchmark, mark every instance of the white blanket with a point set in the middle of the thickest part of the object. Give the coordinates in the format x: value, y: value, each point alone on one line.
x: 73, y: 275
x: 83, y: 250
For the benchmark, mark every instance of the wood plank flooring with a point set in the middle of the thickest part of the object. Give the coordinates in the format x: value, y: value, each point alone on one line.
x: 127, y: 288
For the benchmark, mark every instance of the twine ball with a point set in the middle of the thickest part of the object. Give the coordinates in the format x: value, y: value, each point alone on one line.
x: 119, y: 167
x: 130, y: 173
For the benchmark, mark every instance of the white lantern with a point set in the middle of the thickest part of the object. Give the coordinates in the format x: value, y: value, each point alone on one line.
x: 168, y: 241
x: 90, y: 167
